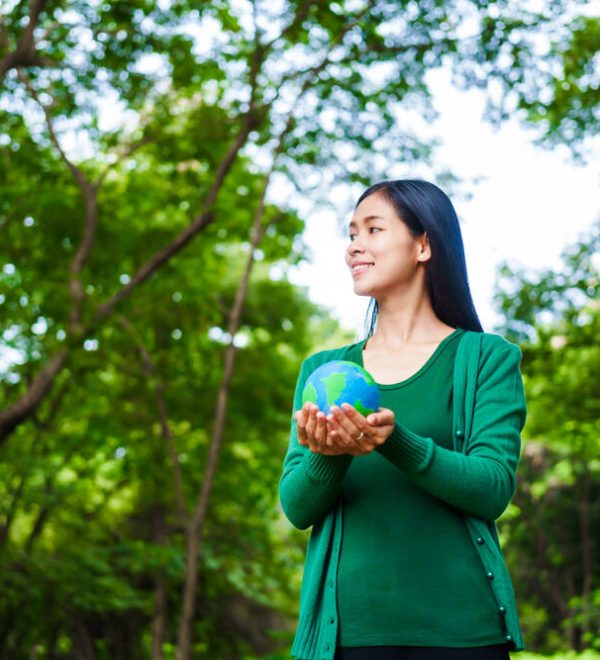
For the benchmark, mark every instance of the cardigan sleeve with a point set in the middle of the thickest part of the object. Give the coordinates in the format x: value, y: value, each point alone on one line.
x: 310, y: 483
x: 480, y: 481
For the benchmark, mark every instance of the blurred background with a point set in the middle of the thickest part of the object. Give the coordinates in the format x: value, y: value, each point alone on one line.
x: 176, y: 179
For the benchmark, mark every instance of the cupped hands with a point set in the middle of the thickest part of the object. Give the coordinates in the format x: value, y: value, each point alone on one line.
x: 343, y: 431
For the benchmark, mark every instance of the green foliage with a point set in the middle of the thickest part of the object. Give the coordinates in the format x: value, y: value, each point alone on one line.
x: 553, y: 531
x: 540, y: 66
x: 88, y: 505
x: 572, y: 108
x: 532, y: 301
x: 147, y: 101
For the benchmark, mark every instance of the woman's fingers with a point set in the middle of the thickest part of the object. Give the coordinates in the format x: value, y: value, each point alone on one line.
x: 314, y: 424
x: 313, y: 430
x: 320, y: 428
x: 301, y: 418
x: 350, y: 421
x: 343, y: 431
x: 382, y: 417
x: 310, y: 425
x: 360, y: 435
x: 315, y: 427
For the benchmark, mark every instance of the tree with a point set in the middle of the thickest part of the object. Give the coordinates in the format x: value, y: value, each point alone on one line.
x: 320, y: 83
x: 93, y: 537
x: 554, y: 526
x: 156, y: 137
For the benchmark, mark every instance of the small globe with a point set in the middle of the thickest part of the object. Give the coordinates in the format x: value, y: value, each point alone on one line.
x: 340, y: 381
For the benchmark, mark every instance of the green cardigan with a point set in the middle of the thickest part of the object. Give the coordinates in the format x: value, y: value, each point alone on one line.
x: 478, y: 477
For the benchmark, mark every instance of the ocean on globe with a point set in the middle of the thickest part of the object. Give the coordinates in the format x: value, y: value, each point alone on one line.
x: 340, y: 381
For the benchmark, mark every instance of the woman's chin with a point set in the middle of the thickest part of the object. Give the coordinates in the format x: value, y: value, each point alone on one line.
x: 362, y: 290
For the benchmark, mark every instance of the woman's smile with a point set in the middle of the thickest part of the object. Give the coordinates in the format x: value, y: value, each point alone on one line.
x: 360, y: 267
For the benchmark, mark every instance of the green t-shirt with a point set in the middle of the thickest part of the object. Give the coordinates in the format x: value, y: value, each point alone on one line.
x: 408, y: 572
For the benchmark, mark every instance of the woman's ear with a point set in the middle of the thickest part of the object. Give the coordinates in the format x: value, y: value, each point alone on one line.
x: 423, y: 247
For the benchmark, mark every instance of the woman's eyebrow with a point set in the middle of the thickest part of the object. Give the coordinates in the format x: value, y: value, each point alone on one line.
x: 369, y: 218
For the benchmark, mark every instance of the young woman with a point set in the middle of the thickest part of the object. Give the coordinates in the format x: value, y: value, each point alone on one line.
x: 403, y: 560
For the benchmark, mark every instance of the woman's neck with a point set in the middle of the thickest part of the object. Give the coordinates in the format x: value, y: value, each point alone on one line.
x: 404, y: 321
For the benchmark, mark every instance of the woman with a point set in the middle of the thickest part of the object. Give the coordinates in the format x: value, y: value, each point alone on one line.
x: 403, y: 560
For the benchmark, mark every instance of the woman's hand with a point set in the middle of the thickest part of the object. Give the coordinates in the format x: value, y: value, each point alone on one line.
x: 357, y: 434
x: 313, y: 432
x: 343, y: 431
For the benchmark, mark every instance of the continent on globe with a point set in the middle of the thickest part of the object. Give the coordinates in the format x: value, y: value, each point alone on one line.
x: 340, y: 381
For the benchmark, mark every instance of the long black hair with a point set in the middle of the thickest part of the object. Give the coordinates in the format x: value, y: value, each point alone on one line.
x: 423, y: 207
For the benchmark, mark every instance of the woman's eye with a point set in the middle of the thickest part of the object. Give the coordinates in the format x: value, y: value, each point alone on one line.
x: 351, y: 236
x: 374, y: 229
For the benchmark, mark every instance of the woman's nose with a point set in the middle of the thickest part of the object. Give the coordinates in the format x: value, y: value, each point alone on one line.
x: 355, y: 247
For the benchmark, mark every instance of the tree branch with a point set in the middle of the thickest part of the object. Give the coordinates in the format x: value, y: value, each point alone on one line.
x: 15, y: 414
x: 46, y: 424
x: 199, y: 514
x: 19, y: 411
x: 25, y: 53
x: 45, y: 511
x: 89, y: 192
x: 11, y: 511
x: 249, y: 121
x: 12, y: 416
x: 166, y: 432
x: 200, y: 222
x: 78, y: 175
x: 125, y: 153
x: 314, y: 70
x: 41, y: 426
x: 299, y: 17
x: 161, y: 601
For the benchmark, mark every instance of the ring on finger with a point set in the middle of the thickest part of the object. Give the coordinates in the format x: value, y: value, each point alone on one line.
x: 360, y: 437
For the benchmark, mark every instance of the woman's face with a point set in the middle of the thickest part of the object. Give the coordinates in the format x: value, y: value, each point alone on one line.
x: 383, y: 256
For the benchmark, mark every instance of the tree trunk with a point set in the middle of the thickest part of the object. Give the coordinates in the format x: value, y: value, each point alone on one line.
x: 193, y: 534
x: 159, y: 617
x: 586, y: 554
x: 83, y: 648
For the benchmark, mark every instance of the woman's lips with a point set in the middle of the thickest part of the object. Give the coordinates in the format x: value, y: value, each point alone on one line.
x: 360, y: 267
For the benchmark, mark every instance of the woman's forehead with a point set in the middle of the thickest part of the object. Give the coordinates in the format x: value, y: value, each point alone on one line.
x: 373, y: 207
x: 365, y: 219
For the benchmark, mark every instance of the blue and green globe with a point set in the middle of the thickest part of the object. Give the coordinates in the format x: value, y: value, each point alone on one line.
x: 340, y: 381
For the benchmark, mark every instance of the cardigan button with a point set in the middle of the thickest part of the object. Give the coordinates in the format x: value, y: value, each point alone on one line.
x: 508, y: 638
x: 502, y: 610
x: 490, y: 575
x: 460, y: 434
x: 480, y: 540
x: 331, y: 621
